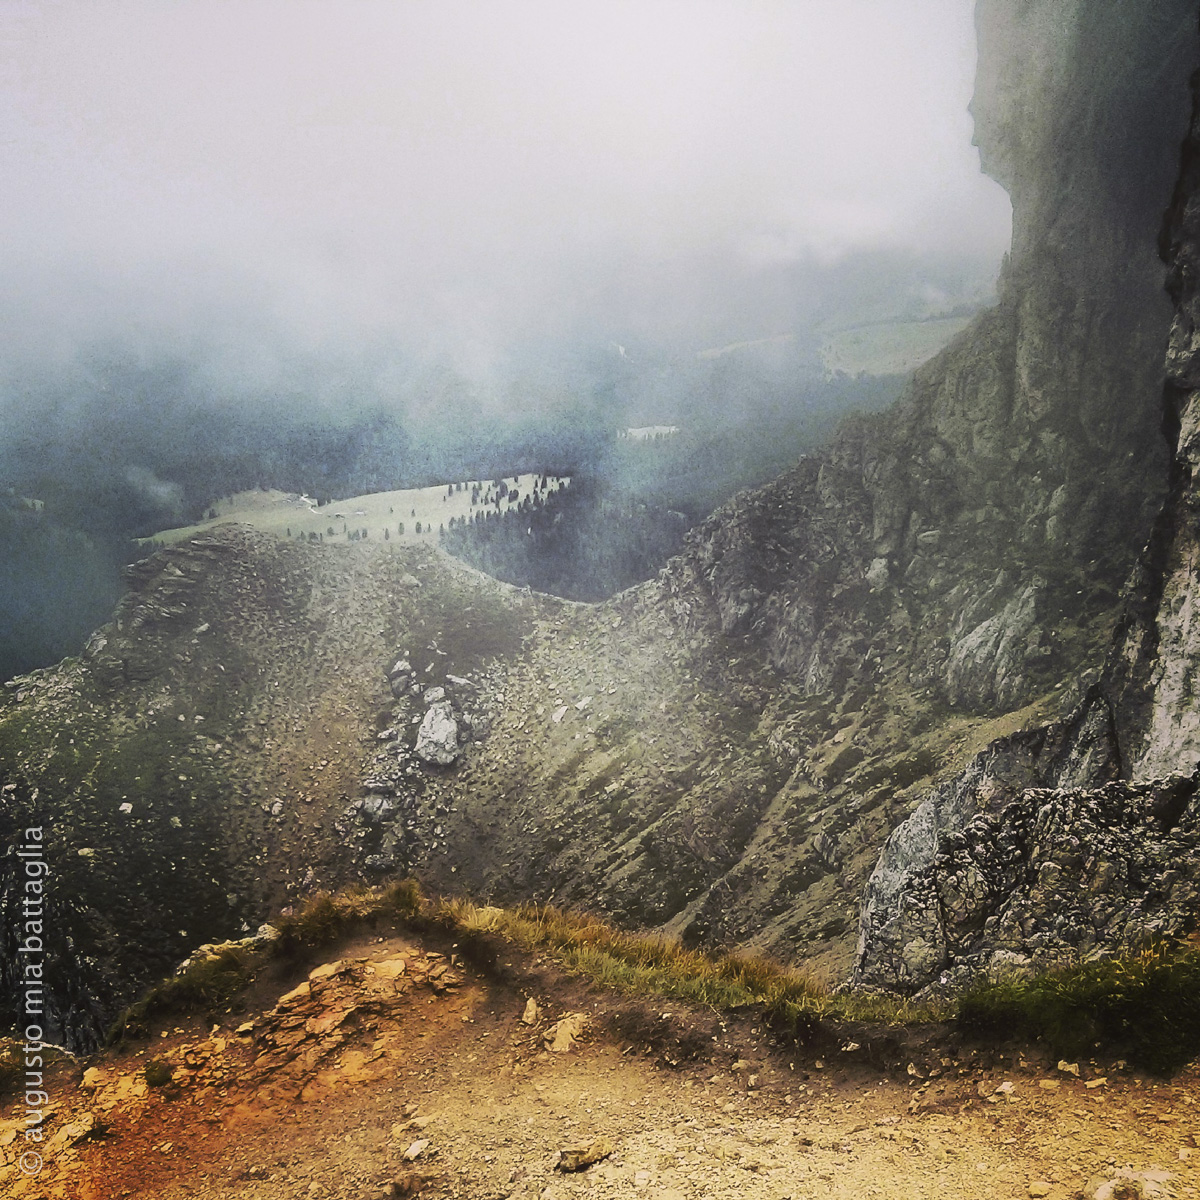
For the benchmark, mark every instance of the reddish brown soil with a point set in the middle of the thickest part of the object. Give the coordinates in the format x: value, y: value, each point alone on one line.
x: 340, y: 1077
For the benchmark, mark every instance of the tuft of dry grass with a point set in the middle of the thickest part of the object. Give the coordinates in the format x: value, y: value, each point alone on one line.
x: 654, y: 964
x: 327, y: 917
x: 648, y: 964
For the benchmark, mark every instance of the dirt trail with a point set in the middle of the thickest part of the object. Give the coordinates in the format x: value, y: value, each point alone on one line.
x: 392, y: 1044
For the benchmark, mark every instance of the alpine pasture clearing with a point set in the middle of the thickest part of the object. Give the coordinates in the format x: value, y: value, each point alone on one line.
x: 888, y: 348
x: 385, y: 516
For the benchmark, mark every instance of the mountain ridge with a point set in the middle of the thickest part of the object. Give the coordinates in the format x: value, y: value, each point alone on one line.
x: 723, y: 751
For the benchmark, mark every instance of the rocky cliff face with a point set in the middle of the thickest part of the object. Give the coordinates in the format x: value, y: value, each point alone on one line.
x: 1152, y: 670
x: 1038, y: 852
x: 1086, y: 835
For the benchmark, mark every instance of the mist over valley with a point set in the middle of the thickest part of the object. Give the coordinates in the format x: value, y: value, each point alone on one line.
x: 600, y: 599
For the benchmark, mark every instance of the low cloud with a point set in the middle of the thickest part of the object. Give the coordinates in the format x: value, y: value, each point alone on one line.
x: 155, y: 493
x: 269, y: 182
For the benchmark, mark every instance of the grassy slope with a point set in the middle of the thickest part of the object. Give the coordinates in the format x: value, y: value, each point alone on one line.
x: 277, y: 512
x: 888, y: 348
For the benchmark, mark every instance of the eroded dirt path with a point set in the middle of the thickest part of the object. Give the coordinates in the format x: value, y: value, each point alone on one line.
x: 353, y: 1063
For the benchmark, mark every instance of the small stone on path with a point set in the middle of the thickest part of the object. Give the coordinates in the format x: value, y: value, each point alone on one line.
x: 576, y: 1158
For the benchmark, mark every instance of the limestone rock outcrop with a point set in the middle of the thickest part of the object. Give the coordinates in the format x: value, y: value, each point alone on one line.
x: 1052, y: 875
x: 1094, y: 845
x: 437, y: 737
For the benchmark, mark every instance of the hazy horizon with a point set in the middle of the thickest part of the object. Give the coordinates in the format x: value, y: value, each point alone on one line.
x: 262, y: 186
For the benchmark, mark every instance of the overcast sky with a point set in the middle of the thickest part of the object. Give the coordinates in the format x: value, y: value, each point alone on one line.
x: 432, y: 172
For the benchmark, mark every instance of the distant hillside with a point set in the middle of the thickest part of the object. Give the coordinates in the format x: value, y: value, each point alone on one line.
x: 403, y: 517
x: 890, y: 348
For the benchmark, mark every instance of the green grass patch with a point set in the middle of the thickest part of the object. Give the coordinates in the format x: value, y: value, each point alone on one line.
x: 1146, y: 1003
x: 204, y: 986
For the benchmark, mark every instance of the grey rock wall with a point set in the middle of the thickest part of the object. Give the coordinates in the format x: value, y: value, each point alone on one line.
x: 1084, y: 837
x: 1052, y: 874
x: 1155, y: 666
